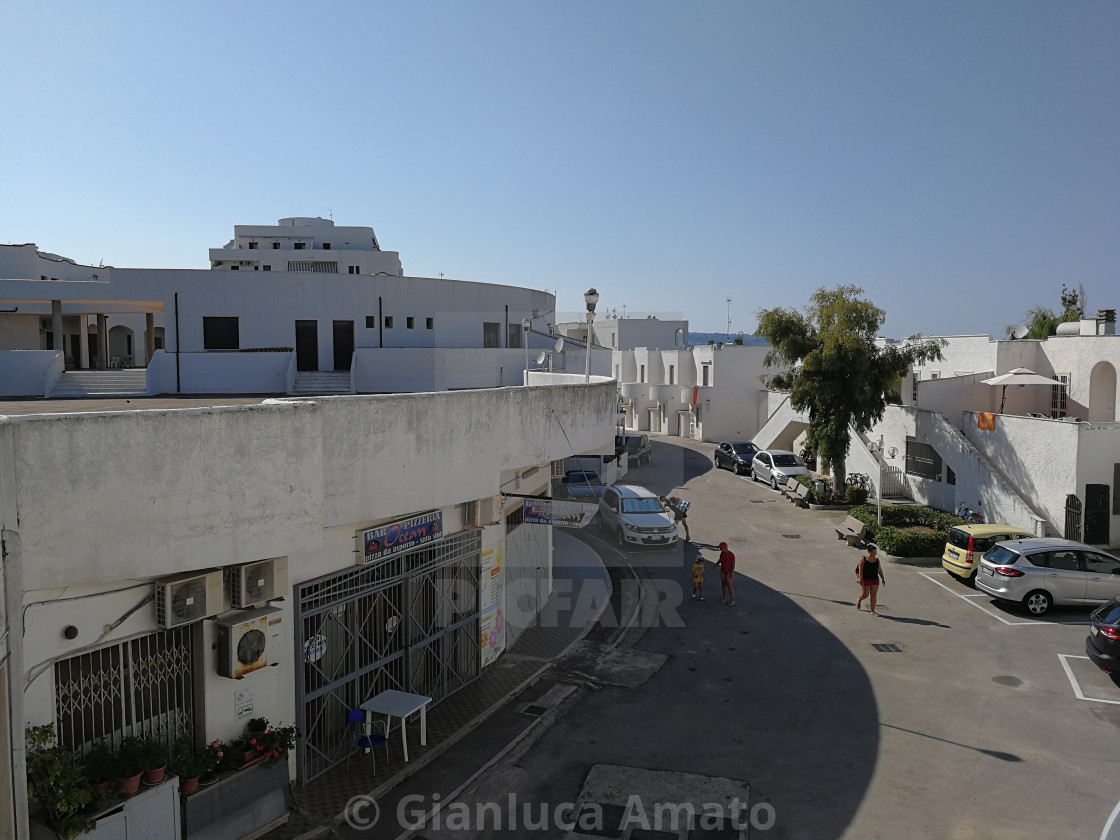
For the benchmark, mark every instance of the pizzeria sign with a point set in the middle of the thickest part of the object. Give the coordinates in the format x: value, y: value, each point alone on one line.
x: 386, y: 540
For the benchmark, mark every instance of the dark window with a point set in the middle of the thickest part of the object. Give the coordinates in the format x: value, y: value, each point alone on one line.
x: 515, y: 520
x: 353, y: 269
x: 922, y: 459
x: 491, y: 334
x: 275, y: 246
x: 514, y: 335
x: 220, y: 334
x: 266, y: 268
x: 326, y: 246
x: 371, y: 322
x: 950, y: 476
x: 299, y: 246
x: 431, y: 322
x: 705, y: 370
x: 1065, y: 560
x: 409, y: 323
x: 252, y: 246
x: 388, y: 322
x: 235, y: 268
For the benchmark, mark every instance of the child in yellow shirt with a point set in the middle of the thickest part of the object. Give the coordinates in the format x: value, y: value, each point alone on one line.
x: 698, y: 572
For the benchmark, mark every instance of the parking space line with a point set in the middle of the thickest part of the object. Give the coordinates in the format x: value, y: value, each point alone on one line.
x: 1077, y: 692
x: 983, y: 609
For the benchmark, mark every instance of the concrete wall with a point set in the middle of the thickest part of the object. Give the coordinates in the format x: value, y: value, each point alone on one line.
x: 220, y: 373
x: 26, y: 373
x: 631, y: 333
x: 19, y: 332
x: 952, y: 395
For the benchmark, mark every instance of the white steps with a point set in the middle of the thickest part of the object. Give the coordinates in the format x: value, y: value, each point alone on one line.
x: 317, y: 383
x: 75, y: 384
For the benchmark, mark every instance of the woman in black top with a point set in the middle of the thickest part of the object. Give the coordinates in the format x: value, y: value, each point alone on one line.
x: 870, y: 572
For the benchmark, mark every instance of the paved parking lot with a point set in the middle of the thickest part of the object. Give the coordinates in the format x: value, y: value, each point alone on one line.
x: 982, y: 721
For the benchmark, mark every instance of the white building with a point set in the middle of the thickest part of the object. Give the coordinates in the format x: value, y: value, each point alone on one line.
x: 1050, y: 462
x: 346, y: 321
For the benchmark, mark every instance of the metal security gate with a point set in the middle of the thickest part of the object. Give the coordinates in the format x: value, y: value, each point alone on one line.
x: 1073, y: 518
x: 1096, y: 514
x: 140, y: 687
x: 408, y: 622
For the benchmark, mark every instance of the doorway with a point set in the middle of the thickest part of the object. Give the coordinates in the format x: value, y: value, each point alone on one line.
x: 307, y: 345
x: 1096, y: 514
x: 343, y: 344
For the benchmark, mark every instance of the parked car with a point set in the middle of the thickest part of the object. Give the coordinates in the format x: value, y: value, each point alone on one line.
x: 735, y: 455
x: 639, y: 449
x: 968, y: 543
x: 1041, y: 572
x: 1102, y: 645
x: 774, y: 466
x: 581, y: 484
x: 633, y: 514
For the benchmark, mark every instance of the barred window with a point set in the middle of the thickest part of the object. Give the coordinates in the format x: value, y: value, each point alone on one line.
x: 922, y: 459
x: 1059, y: 395
x: 515, y: 519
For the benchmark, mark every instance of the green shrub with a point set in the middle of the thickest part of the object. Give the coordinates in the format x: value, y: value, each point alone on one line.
x: 855, y: 495
x: 894, y: 535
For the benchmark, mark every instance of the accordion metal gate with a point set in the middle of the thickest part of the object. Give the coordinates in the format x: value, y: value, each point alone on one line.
x: 409, y: 622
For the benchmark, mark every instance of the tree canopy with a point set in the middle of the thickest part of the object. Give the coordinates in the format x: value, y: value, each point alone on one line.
x: 1041, y: 323
x: 837, y: 372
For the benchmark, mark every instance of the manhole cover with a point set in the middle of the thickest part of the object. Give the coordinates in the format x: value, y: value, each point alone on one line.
x: 886, y: 647
x: 536, y: 711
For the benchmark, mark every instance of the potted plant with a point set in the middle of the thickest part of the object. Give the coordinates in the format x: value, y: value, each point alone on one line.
x: 155, y: 760
x: 188, y: 764
x: 213, y: 755
x: 57, y: 782
x: 276, y: 742
x: 257, y: 726
x: 129, y: 765
x: 99, y: 767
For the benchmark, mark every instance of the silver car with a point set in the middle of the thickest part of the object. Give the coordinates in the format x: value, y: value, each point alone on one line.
x: 1041, y: 572
x: 634, y: 515
x: 774, y: 466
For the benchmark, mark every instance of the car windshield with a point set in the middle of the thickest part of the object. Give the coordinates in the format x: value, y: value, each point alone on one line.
x: 787, y: 460
x: 959, y: 538
x: 743, y: 448
x: 1001, y: 556
x: 1109, y: 613
x: 642, y: 506
x: 583, y: 478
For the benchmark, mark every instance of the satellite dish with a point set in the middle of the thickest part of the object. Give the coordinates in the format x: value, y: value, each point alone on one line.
x: 559, y: 345
x: 1020, y: 331
x: 541, y: 356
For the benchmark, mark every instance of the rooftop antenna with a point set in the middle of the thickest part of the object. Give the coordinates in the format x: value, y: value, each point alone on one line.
x: 1019, y: 331
x: 729, y: 318
x: 624, y: 310
x: 330, y: 213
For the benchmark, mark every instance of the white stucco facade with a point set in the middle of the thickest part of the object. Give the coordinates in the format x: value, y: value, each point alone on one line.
x: 150, y: 494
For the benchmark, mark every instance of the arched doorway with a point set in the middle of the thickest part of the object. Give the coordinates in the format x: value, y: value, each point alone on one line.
x: 1102, y: 392
x: 121, y: 347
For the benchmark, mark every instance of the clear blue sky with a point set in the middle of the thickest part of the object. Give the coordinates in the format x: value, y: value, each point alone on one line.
x: 959, y: 160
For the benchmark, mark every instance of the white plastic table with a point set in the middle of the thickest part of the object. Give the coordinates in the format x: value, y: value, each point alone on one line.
x: 400, y: 704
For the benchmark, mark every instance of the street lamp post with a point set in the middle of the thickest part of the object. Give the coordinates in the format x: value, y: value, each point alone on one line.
x: 878, y: 450
x: 590, y: 297
x: 525, y: 343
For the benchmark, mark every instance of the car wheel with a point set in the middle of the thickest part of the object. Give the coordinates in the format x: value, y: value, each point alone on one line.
x: 1037, y: 602
x: 719, y: 466
x: 773, y: 484
x: 621, y: 539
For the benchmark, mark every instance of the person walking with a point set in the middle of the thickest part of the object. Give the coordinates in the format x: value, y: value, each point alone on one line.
x: 679, y: 508
x: 726, y: 565
x: 870, y: 572
x: 698, y: 573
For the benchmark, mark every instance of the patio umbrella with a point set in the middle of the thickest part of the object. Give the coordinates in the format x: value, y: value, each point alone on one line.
x: 1019, y: 376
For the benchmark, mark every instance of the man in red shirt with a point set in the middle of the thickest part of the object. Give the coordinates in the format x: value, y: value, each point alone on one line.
x: 727, y: 574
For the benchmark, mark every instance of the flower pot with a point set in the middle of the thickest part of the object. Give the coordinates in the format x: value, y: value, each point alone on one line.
x: 207, y: 779
x: 154, y: 777
x: 189, y: 785
x: 102, y: 788
x: 128, y: 786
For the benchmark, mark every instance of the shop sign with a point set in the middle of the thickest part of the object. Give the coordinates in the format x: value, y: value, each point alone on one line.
x: 386, y: 540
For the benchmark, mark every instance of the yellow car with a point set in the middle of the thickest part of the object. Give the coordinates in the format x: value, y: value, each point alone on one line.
x: 967, y: 544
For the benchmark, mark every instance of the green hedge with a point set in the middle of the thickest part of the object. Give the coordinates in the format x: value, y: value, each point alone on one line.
x: 892, y: 536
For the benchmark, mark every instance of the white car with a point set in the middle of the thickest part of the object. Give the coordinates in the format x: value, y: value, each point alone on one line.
x: 634, y: 515
x: 774, y: 466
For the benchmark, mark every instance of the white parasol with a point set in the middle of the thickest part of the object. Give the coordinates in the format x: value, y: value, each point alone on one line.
x: 1019, y: 376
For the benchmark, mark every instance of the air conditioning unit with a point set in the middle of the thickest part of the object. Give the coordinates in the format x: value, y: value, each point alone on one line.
x: 183, y: 599
x: 243, y: 642
x: 251, y: 584
x: 482, y: 512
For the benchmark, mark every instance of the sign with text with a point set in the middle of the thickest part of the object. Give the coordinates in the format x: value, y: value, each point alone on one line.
x: 386, y: 540
x: 557, y: 512
x: 491, y: 597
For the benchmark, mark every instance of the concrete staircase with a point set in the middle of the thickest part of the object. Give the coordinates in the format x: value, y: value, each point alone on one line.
x: 318, y: 383
x: 77, y: 384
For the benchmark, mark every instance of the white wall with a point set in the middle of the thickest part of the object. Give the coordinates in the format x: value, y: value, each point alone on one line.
x: 19, y: 332
x: 24, y: 373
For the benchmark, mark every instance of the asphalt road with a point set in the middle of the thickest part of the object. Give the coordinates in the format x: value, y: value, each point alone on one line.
x: 971, y: 727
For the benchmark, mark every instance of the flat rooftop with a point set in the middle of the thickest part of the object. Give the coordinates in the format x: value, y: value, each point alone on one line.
x: 163, y: 401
